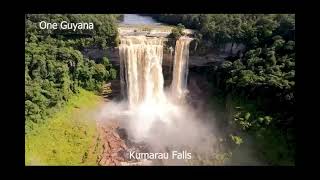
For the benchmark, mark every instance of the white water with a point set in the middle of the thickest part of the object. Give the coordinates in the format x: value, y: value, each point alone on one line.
x: 141, y: 71
x: 180, y: 68
x: 143, y: 83
x: 160, y: 119
x: 141, y: 60
x: 154, y: 116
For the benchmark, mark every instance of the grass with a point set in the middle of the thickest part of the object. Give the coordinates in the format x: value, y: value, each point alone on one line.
x: 67, y: 137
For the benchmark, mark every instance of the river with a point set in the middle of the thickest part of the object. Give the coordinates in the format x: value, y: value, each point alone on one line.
x: 135, y: 19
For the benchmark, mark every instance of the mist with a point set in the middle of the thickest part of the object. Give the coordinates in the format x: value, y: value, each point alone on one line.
x: 161, y: 117
x: 164, y: 128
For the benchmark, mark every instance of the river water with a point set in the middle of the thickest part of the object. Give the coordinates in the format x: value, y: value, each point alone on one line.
x: 135, y: 19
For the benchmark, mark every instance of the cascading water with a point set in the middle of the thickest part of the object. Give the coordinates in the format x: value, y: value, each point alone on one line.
x: 141, y: 71
x: 154, y: 116
x: 180, y: 67
x: 141, y: 60
x: 142, y: 81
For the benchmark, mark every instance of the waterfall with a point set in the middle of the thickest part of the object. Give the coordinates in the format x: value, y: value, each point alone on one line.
x: 142, y: 81
x: 141, y: 69
x: 180, y: 67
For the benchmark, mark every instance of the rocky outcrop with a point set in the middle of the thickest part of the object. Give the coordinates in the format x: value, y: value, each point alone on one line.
x: 233, y: 48
x: 201, y: 55
x: 116, y: 146
x: 113, y: 145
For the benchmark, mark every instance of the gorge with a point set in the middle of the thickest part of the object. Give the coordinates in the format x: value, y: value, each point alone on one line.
x: 156, y: 108
x: 218, y: 86
x: 151, y: 112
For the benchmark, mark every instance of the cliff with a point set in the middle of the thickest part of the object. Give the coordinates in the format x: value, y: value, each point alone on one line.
x: 197, y: 56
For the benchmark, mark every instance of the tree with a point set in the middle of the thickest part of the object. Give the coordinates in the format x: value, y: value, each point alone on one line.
x: 177, y: 32
x: 55, y: 68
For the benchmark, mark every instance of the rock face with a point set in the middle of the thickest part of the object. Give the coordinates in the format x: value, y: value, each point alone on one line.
x: 116, y: 146
x: 113, y: 145
x: 195, y: 59
x: 233, y: 49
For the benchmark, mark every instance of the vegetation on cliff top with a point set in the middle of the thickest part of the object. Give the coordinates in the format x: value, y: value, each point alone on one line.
x: 55, y: 68
x: 58, y: 78
x: 261, y: 79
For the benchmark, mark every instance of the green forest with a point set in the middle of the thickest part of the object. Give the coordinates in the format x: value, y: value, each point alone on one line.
x: 261, y: 81
x: 58, y: 78
x: 55, y: 69
x: 256, y: 88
